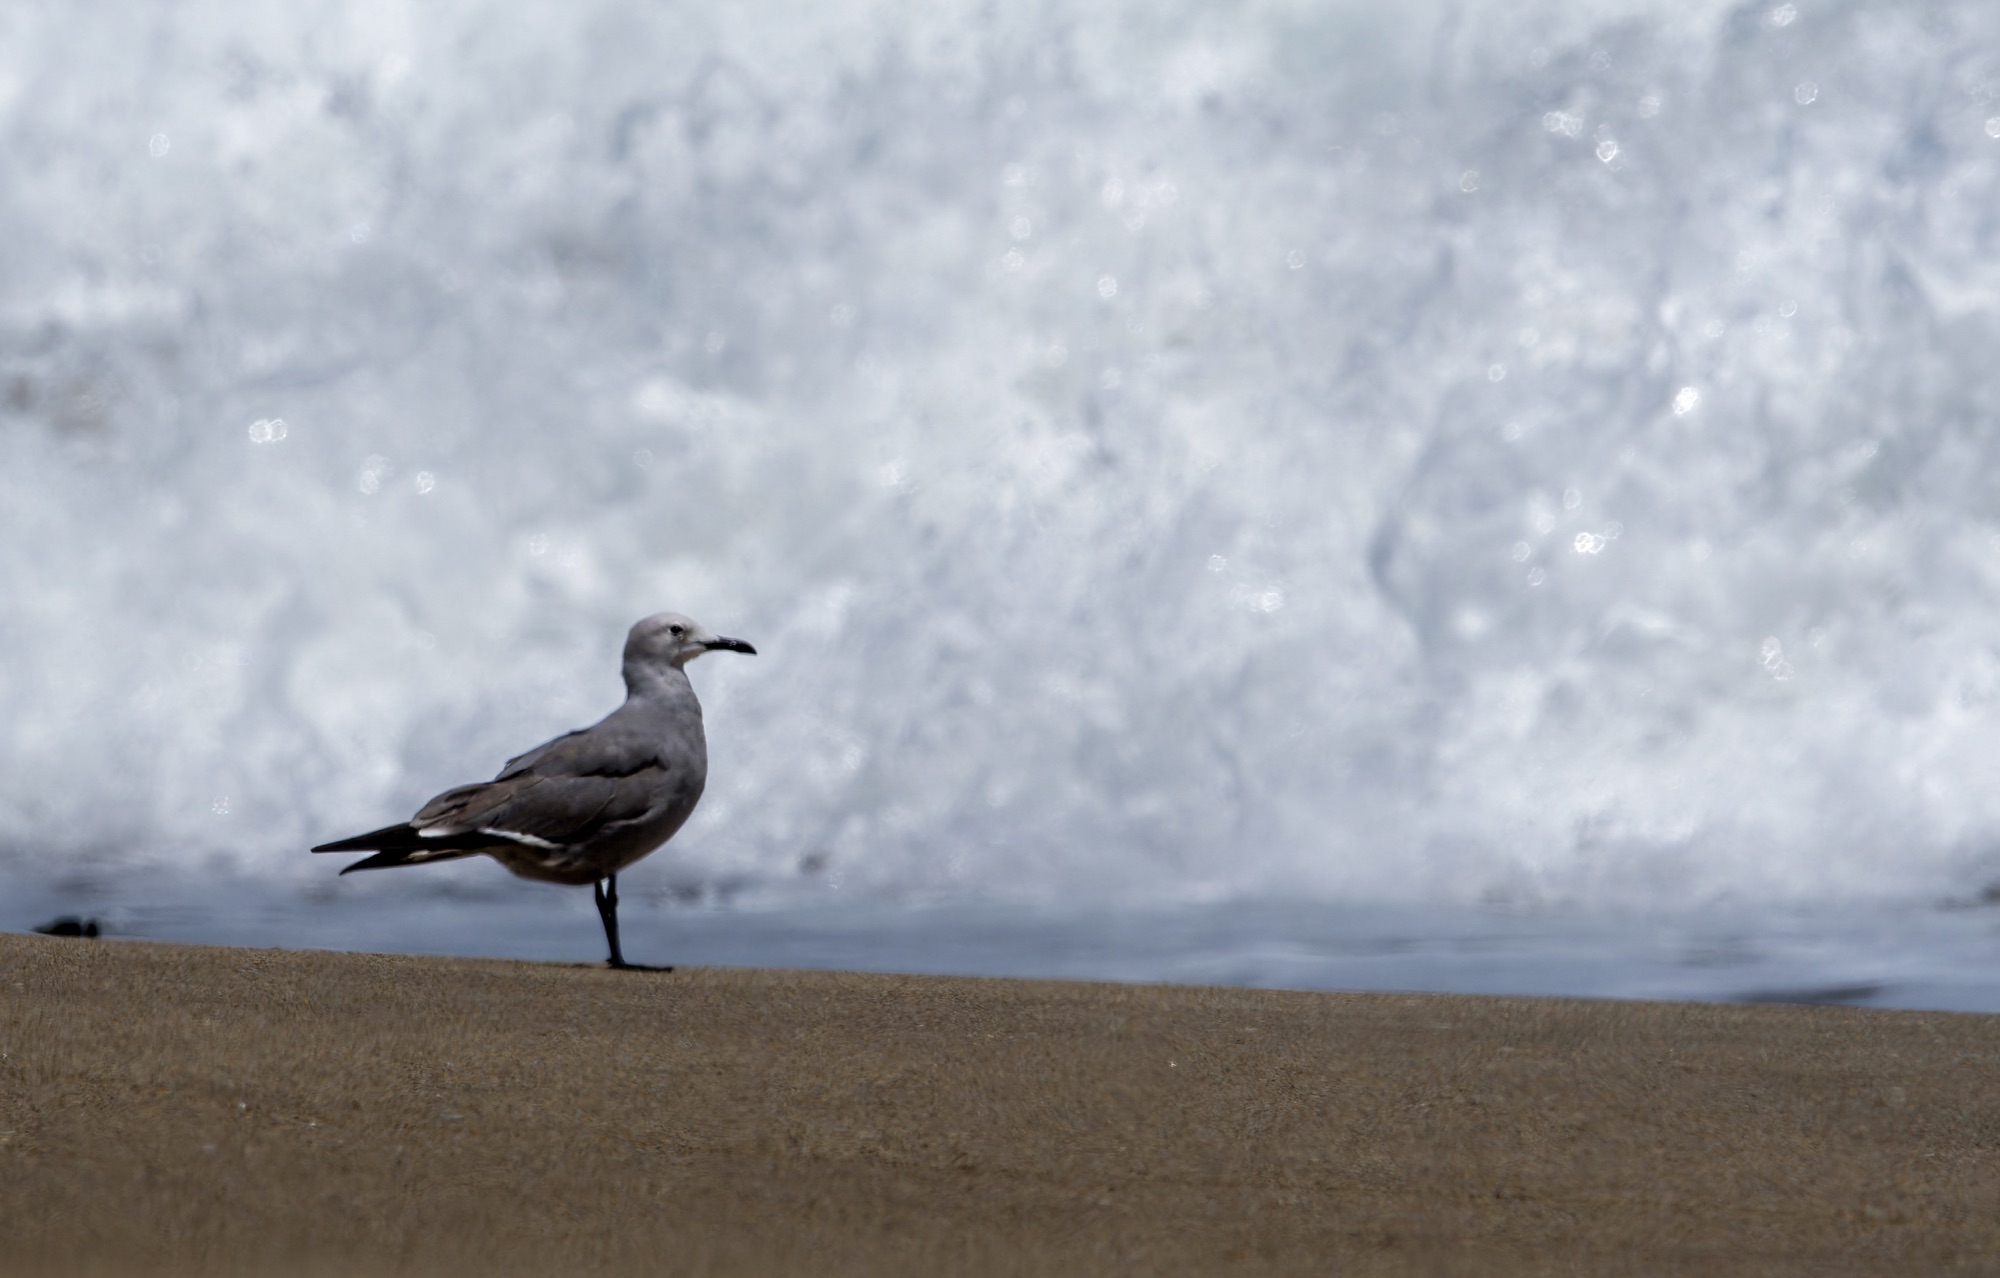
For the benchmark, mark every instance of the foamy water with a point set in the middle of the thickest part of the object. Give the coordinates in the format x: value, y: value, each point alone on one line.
x: 1462, y: 461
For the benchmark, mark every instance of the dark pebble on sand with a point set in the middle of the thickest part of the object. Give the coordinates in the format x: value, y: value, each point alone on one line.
x: 69, y: 925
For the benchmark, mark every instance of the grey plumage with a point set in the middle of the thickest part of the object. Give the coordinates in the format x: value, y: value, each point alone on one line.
x: 584, y: 806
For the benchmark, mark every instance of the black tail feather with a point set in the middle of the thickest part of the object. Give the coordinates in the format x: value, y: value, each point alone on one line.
x: 401, y: 856
x: 385, y: 839
x: 405, y: 845
x: 407, y: 838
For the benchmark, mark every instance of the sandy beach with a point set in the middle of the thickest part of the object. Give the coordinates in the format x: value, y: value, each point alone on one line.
x: 182, y: 1110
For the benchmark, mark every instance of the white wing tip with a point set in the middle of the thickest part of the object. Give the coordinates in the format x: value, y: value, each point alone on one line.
x: 515, y: 836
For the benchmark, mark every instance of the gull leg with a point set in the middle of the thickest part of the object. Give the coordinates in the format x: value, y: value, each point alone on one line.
x: 607, y: 909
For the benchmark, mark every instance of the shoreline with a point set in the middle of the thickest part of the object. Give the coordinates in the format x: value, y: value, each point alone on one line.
x: 178, y: 1109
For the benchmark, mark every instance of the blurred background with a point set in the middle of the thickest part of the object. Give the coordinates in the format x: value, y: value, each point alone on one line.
x: 1445, y: 495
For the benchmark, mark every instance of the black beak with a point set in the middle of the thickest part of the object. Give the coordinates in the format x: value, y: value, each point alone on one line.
x: 728, y: 645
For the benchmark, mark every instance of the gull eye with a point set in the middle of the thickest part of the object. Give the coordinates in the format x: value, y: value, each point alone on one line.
x: 677, y: 631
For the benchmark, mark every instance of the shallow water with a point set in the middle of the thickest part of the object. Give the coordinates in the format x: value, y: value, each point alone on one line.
x: 1496, y: 464
x: 1936, y: 956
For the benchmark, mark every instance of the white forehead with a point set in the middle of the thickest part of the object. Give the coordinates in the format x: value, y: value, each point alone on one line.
x: 660, y: 621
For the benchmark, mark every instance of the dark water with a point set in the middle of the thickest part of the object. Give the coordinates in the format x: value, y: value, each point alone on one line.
x: 1915, y: 956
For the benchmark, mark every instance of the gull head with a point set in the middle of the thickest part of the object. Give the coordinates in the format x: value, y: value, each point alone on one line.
x: 669, y: 639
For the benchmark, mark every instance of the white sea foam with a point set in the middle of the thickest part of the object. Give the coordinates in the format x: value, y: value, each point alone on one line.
x: 1158, y: 456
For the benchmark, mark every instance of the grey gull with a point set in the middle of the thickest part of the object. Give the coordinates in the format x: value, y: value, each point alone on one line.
x: 584, y: 806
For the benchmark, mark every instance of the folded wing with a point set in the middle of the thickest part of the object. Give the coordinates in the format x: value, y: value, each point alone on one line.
x: 557, y: 796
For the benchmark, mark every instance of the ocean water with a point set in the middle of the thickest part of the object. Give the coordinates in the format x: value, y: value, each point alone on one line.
x: 1466, y: 496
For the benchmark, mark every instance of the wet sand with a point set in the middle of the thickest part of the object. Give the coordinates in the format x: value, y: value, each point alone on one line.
x: 180, y: 1110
